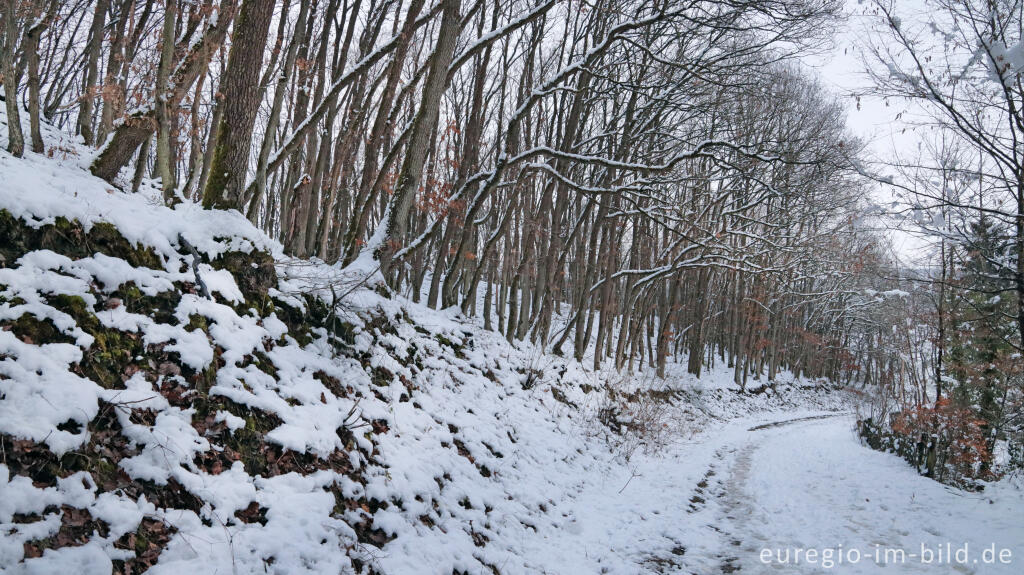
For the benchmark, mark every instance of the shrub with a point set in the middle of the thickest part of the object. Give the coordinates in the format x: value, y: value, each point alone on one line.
x: 944, y: 441
x: 633, y: 417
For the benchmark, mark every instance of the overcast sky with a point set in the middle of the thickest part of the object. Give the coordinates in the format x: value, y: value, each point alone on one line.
x: 874, y: 120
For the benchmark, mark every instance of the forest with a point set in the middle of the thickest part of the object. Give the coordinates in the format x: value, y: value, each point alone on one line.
x: 662, y: 180
x: 658, y: 188
x: 651, y: 175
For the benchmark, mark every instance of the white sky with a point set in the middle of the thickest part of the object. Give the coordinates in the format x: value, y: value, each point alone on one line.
x: 875, y: 121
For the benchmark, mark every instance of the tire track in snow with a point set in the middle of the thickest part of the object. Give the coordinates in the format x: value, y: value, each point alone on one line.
x: 785, y: 422
x: 807, y: 483
x: 735, y: 505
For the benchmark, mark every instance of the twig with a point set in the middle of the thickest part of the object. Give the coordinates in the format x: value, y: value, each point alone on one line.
x: 195, y: 265
x: 633, y: 474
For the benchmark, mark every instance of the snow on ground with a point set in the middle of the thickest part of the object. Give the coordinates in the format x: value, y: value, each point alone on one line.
x: 806, y: 497
x: 398, y: 438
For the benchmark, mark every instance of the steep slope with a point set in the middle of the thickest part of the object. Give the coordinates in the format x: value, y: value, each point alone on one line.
x: 176, y: 395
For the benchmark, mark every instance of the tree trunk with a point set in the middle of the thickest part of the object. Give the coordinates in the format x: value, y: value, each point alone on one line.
x: 412, y: 168
x: 140, y: 166
x: 87, y: 107
x: 226, y: 185
x: 15, y: 137
x: 163, y: 109
x: 32, y: 38
x: 111, y: 94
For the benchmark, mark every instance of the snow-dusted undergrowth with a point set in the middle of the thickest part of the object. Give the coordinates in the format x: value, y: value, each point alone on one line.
x: 180, y: 414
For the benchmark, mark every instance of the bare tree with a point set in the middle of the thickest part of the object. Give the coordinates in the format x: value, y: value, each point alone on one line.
x: 959, y: 68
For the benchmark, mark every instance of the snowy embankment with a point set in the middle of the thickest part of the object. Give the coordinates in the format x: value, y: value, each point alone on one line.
x: 176, y: 396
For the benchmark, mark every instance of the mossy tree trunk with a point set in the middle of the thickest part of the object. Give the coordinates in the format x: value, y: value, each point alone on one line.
x: 15, y: 137
x: 226, y: 185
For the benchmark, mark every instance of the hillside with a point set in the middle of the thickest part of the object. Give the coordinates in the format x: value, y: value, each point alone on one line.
x: 538, y: 287
x: 177, y: 395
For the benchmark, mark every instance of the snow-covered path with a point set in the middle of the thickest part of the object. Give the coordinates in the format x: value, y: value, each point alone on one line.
x: 805, y: 497
x: 737, y: 497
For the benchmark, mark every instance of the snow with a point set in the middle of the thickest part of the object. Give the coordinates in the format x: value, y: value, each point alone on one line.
x: 46, y: 189
x: 221, y: 282
x: 432, y: 441
x: 1006, y: 62
x: 46, y: 393
x: 811, y: 485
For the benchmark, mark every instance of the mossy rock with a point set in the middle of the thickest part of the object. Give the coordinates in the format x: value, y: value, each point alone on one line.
x: 323, y: 315
x: 455, y: 347
x: 109, y: 357
x: 32, y: 330
x: 249, y: 445
x: 295, y: 320
x: 254, y: 273
x: 69, y: 238
x: 78, y: 308
x: 160, y: 307
x: 318, y: 314
x: 112, y: 352
x: 249, y: 442
x: 197, y: 322
x: 36, y: 461
x: 344, y: 331
x: 13, y: 240
x: 106, y: 239
x: 381, y: 323
x: 381, y: 376
x: 262, y: 362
